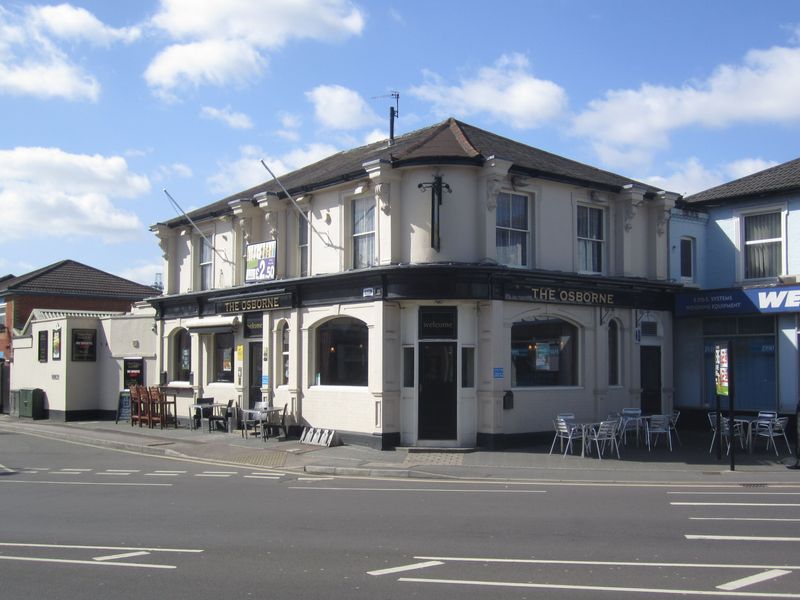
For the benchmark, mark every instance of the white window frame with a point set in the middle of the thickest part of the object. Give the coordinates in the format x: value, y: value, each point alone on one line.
x: 370, y: 261
x: 205, y: 264
x: 600, y: 241
x: 692, y: 259
x: 3, y: 309
x: 284, y: 335
x: 303, y: 225
x: 527, y: 259
x: 742, y: 254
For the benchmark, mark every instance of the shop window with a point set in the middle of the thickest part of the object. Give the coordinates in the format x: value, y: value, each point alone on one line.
x: 342, y: 352
x: 223, y: 357
x: 363, y: 228
x: 181, y: 356
x: 44, y: 348
x: 408, y: 366
x: 590, y: 239
x: 544, y: 352
x: 467, y: 367
x: 284, y: 374
x: 512, y: 233
x: 613, y: 353
x: 763, y: 245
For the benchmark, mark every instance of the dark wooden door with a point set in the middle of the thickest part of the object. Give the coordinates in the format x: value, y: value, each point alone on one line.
x: 438, y: 408
x: 650, y: 364
x: 254, y: 374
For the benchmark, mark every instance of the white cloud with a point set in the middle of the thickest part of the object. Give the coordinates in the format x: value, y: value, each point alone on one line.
x: 50, y: 192
x: 290, y: 123
x: 338, y: 107
x: 143, y: 273
x: 629, y: 126
x: 165, y: 172
x: 241, y: 30
x: 235, y: 120
x: 33, y: 64
x: 71, y: 23
x: 376, y: 135
x: 692, y: 176
x: 247, y: 171
x: 506, y: 91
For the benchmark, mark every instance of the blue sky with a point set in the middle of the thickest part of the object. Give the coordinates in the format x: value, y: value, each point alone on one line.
x: 105, y: 104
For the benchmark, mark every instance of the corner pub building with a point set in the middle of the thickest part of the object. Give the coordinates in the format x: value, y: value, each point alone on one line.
x: 448, y: 288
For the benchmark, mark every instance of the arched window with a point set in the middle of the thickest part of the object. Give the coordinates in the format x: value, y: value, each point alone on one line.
x: 613, y: 352
x: 544, y: 352
x: 284, y: 374
x: 342, y: 352
x: 181, y: 356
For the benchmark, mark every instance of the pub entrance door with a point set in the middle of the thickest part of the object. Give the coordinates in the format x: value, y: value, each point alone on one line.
x: 254, y: 374
x: 438, y: 402
x: 650, y: 382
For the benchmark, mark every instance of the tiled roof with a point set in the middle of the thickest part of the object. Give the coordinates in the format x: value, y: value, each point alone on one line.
x: 448, y: 142
x: 71, y: 278
x: 775, y: 180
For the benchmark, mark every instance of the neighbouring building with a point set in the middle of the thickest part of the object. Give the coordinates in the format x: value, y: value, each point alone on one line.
x: 450, y: 287
x: 738, y: 246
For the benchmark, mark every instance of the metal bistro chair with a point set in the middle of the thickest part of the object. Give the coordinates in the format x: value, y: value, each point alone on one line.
x: 773, y: 429
x: 725, y: 425
x: 566, y: 431
x: 673, y: 424
x: 630, y: 420
x: 605, y: 432
x: 218, y: 419
x: 659, y: 425
x: 273, y: 427
x: 254, y: 421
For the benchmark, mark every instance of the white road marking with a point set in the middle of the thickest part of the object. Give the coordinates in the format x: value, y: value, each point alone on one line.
x: 6, y: 469
x: 733, y: 504
x: 62, y: 472
x: 88, y: 562
x: 757, y: 578
x: 741, y: 519
x: 86, y: 483
x: 126, y: 555
x: 604, y: 563
x: 170, y: 472
x: 743, y: 538
x: 444, y: 490
x: 81, y: 547
x: 117, y: 474
x: 736, y: 493
x: 597, y: 588
x: 315, y: 479
x: 261, y: 477
x: 161, y: 474
x: 422, y: 565
x: 123, y: 470
x: 77, y: 470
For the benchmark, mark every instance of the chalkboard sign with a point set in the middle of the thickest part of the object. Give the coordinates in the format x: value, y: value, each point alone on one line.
x: 123, y: 407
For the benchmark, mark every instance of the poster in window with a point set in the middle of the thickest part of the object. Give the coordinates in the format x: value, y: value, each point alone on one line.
x: 133, y: 372
x: 84, y: 345
x: 56, y: 344
x: 43, y: 346
x: 227, y: 359
x: 260, y: 261
x: 186, y: 359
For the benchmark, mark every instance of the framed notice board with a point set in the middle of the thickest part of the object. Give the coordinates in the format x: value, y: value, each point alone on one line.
x: 123, y: 407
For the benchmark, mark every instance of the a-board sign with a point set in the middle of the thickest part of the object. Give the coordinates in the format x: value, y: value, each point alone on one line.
x: 123, y: 407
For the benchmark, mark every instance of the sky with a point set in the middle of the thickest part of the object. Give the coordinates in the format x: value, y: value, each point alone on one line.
x: 104, y: 105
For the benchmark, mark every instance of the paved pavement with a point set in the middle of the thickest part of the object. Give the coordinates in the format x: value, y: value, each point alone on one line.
x: 688, y: 462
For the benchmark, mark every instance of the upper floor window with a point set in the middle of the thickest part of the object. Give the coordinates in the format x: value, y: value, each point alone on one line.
x: 763, y: 245
x: 363, y: 232
x: 181, y: 356
x: 512, y: 232
x: 205, y: 265
x: 544, y: 352
x: 2, y: 316
x: 342, y: 352
x: 590, y: 239
x: 302, y: 243
x: 223, y: 357
x: 284, y: 374
x: 687, y: 259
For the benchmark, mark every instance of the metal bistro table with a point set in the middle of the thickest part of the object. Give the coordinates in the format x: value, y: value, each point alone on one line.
x: 262, y: 415
x: 194, y: 409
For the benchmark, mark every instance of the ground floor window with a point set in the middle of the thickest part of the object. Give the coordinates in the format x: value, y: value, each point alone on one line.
x: 752, y: 348
x: 223, y: 357
x: 181, y: 356
x: 342, y: 352
x: 544, y: 352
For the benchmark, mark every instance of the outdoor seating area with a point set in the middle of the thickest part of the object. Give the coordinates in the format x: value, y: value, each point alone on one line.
x: 614, y: 432
x: 152, y: 407
x: 748, y: 429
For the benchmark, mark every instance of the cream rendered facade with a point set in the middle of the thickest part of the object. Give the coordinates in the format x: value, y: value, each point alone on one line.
x: 479, y: 299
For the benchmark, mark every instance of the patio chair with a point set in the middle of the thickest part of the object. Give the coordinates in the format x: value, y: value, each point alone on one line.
x: 218, y: 419
x: 659, y: 425
x: 136, y: 405
x: 252, y: 420
x: 773, y: 429
x: 202, y: 412
x: 566, y: 431
x: 738, y: 431
x: 630, y: 420
x: 274, y: 427
x: 605, y: 432
x: 673, y: 424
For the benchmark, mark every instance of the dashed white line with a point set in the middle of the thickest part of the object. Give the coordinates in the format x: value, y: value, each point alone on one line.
x: 790, y: 520
x: 413, y: 567
x: 123, y: 555
x: 757, y: 578
x: 734, y: 504
x: 743, y: 538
